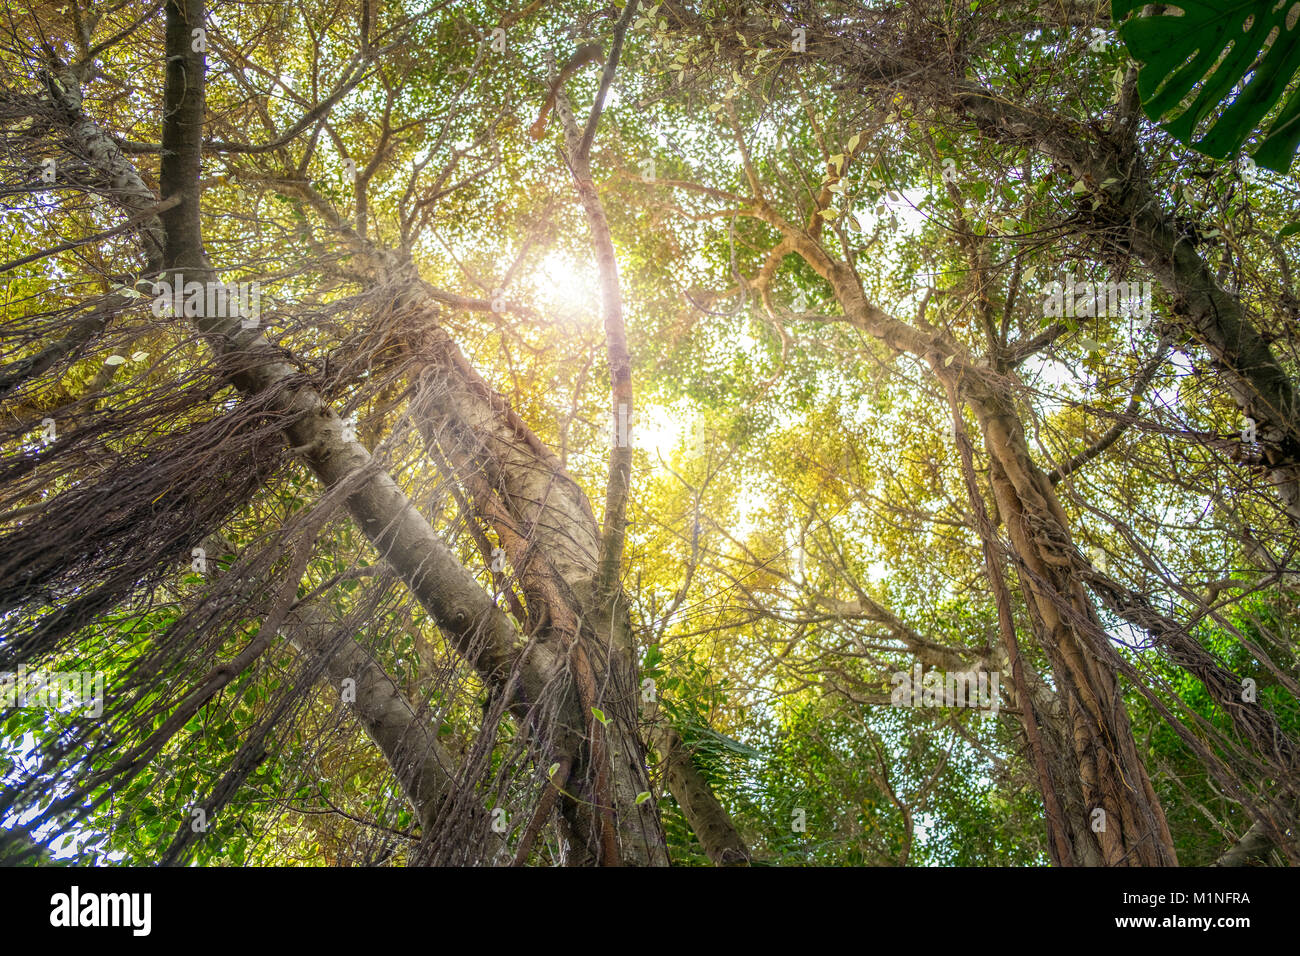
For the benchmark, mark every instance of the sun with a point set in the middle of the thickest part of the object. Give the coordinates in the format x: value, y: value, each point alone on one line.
x: 567, y: 287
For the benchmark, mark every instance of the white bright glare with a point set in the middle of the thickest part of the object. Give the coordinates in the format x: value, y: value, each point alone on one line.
x: 658, y: 431
x: 567, y: 288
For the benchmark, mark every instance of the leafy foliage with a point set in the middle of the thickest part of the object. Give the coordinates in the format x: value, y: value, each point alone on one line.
x: 1234, y: 61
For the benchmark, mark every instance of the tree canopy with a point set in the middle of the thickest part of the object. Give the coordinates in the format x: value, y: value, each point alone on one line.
x: 692, y: 433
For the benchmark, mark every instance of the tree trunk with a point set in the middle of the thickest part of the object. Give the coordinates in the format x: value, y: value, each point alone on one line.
x: 1130, y: 829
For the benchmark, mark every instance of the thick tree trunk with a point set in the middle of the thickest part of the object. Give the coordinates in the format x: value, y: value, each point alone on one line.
x: 1255, y: 378
x: 473, y: 623
x: 410, y: 745
x: 1104, y: 766
x: 1130, y: 829
x: 709, y: 820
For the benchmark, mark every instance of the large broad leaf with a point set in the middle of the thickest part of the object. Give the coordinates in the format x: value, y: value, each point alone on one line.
x: 726, y: 743
x: 1202, y: 55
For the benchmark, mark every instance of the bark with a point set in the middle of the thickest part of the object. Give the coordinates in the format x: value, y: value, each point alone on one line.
x: 1101, y: 764
x: 473, y: 623
x: 709, y: 820
x: 616, y: 648
x: 1112, y: 774
x: 1253, y: 374
x: 184, y: 111
x: 547, y: 528
x: 1253, y: 844
x: 409, y: 744
x: 1045, y: 749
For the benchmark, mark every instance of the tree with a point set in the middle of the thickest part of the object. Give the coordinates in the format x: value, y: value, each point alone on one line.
x: 302, y: 445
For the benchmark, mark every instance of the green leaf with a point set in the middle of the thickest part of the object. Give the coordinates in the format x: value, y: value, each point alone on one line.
x: 642, y: 797
x: 600, y: 715
x: 1195, y: 65
x: 735, y: 746
x: 1288, y: 230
